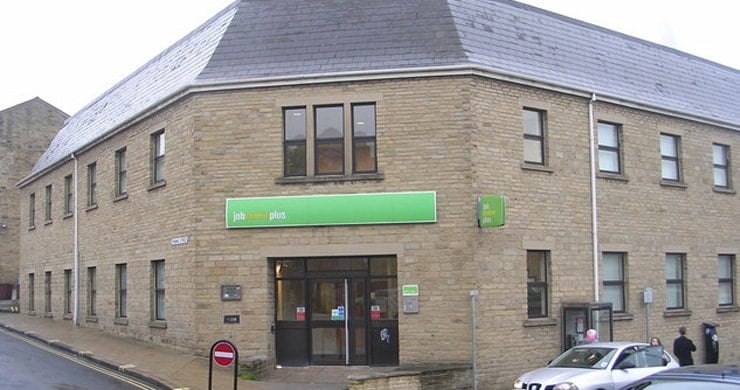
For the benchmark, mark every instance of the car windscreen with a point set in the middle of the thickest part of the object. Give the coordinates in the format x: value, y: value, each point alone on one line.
x: 586, y: 357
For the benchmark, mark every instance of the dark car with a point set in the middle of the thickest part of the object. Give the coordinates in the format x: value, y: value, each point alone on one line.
x: 703, y: 376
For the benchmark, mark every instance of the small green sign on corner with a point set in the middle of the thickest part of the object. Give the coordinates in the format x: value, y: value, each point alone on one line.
x: 491, y: 211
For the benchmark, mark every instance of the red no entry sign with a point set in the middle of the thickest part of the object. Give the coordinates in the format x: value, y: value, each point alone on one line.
x: 223, y: 354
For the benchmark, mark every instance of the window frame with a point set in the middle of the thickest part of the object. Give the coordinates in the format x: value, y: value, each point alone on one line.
x: 31, y: 292
x: 121, y: 178
x: 92, y: 291
x: 158, y: 291
x: 47, y: 293
x: 68, y: 195
x: 47, y: 203
x: 672, y: 159
x: 620, y: 283
x: 67, y: 291
x: 723, y: 167
x: 321, y: 142
x: 680, y: 281
x: 92, y: 184
x: 726, y: 281
x: 611, y: 149
x: 364, y: 139
x: 158, y: 150
x: 296, y: 142
x: 539, y: 138
x: 544, y: 307
x: 32, y: 210
x: 121, y: 291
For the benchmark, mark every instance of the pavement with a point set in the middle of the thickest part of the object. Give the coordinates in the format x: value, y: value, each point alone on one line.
x: 167, y: 367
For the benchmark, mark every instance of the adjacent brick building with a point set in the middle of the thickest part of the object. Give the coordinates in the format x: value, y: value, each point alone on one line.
x: 333, y: 176
x: 25, y: 132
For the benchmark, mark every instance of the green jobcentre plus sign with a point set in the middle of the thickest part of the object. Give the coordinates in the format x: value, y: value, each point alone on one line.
x: 491, y: 211
x: 341, y: 209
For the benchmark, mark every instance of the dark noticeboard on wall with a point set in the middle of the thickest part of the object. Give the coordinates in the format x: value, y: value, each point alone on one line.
x: 231, y: 292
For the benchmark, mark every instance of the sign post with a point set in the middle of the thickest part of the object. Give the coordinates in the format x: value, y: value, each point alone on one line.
x: 224, y: 353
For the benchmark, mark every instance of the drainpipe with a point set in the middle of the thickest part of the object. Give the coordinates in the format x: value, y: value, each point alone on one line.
x: 594, y: 211
x: 76, y: 254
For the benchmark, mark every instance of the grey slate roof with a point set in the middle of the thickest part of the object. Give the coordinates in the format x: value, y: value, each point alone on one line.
x: 259, y: 40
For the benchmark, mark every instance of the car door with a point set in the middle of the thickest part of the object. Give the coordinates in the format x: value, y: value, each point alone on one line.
x: 637, y: 362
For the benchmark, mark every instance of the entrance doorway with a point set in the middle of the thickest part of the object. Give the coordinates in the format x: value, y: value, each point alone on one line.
x: 336, y: 311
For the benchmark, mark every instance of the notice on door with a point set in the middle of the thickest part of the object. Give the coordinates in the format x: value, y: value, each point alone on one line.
x: 300, y: 313
x: 337, y: 314
x: 375, y: 312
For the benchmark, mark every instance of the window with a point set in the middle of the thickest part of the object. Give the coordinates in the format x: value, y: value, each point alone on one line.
x: 336, y: 137
x: 91, y: 292
x: 725, y: 272
x: 121, y: 182
x: 92, y: 184
x: 674, y: 276
x: 294, y: 143
x: 68, y: 195
x: 67, y: 291
x: 47, y: 292
x: 670, y: 163
x: 158, y: 290
x: 47, y: 204
x: 537, y: 283
x: 329, y: 126
x: 158, y: 157
x: 609, y: 148
x: 721, y: 164
x: 32, y: 210
x: 613, y: 267
x: 534, y: 136
x: 121, y: 307
x: 31, y: 297
x: 363, y: 138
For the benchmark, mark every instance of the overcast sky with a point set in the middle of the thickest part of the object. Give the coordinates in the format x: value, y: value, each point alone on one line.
x: 70, y: 52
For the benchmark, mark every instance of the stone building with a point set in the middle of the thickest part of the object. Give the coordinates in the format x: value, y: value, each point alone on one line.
x: 341, y: 182
x: 25, y: 132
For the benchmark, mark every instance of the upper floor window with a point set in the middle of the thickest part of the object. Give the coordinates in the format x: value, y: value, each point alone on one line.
x: 726, y: 274
x: 329, y: 141
x: 158, y: 157
x: 674, y: 277
x: 32, y: 210
x: 721, y: 165
x: 537, y: 287
x: 610, y: 149
x: 613, y: 267
x: 669, y: 157
x: 335, y: 136
x: 68, y: 195
x: 92, y: 184
x: 534, y: 136
x: 47, y: 204
x: 363, y: 138
x: 121, y: 180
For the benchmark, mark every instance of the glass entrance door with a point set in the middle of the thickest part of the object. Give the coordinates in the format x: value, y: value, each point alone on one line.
x: 338, y: 321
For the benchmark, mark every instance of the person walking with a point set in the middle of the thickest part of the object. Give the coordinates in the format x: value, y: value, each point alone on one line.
x: 683, y: 347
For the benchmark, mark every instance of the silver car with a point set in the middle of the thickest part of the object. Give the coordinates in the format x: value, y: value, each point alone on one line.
x: 595, y: 366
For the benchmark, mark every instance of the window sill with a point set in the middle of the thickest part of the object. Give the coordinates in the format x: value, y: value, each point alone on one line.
x: 728, y: 309
x: 48, y: 315
x: 612, y: 176
x: 32, y: 228
x: 623, y: 316
x: 48, y: 222
x: 677, y: 313
x: 536, y: 167
x: 120, y: 197
x: 533, y: 322
x: 91, y: 318
x: 156, y: 185
x: 329, y: 178
x: 673, y: 184
x: 159, y: 324
x: 92, y: 207
x: 120, y: 321
x: 67, y: 216
x: 32, y: 312
x: 722, y: 190
x: 67, y: 316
